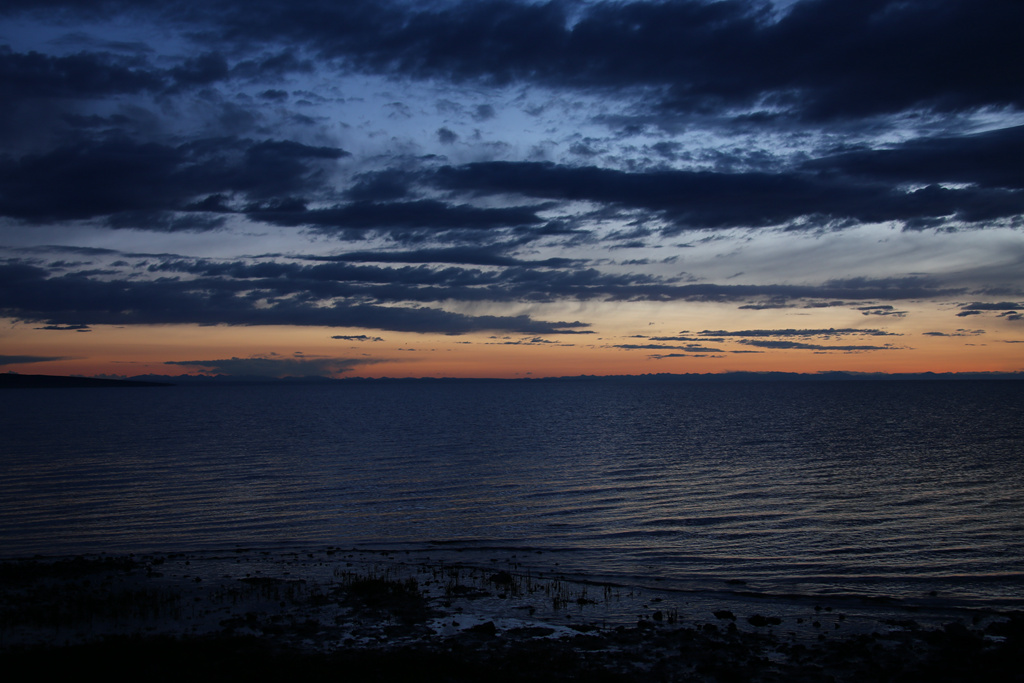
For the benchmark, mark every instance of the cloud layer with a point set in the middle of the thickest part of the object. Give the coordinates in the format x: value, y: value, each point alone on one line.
x: 459, y: 167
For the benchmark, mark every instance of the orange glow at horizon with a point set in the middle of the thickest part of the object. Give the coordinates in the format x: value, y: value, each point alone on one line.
x: 124, y: 351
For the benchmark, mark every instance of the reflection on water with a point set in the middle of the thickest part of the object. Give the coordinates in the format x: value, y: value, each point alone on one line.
x: 885, y: 486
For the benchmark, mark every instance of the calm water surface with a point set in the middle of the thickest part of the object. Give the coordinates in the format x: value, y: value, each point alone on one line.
x: 880, y: 488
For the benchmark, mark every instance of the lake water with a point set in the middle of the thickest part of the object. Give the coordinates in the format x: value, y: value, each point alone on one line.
x: 864, y: 488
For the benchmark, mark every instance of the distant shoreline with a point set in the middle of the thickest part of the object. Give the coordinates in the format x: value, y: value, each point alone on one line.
x: 18, y: 381
x: 14, y: 381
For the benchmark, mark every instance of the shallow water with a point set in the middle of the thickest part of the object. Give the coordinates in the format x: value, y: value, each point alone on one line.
x: 876, y: 488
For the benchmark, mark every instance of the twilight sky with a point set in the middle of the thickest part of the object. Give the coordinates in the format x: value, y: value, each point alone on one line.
x: 510, y: 188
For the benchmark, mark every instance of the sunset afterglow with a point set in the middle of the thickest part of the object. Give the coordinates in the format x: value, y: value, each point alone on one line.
x: 511, y: 190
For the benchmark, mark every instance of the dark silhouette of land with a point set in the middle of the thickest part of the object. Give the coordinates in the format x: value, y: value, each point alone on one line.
x: 15, y: 381
x: 663, y: 378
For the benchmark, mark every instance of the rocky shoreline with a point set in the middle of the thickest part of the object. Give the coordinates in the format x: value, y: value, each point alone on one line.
x: 336, y: 614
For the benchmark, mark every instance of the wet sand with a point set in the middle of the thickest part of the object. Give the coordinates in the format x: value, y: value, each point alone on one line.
x: 378, y: 615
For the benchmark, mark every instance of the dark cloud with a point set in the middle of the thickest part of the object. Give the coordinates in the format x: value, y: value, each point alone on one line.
x: 276, y: 366
x: 829, y: 332
x: 357, y: 337
x: 823, y: 60
x: 381, y: 186
x: 83, y: 40
x: 1010, y: 310
x: 704, y: 199
x: 446, y: 136
x: 66, y: 328
x: 25, y: 360
x: 852, y: 288
x: 769, y: 305
x: 337, y: 293
x: 98, y: 74
x: 463, y: 255
x: 993, y: 306
x: 93, y: 179
x: 484, y: 112
x: 583, y: 149
x: 202, y: 70
x: 884, y: 310
x: 28, y: 294
x: 685, y: 339
x: 692, y: 348
x: 781, y: 344
x: 530, y: 341
x: 84, y: 75
x: 165, y: 221
x: 274, y: 66
x: 90, y: 180
x: 990, y: 159
x: 958, y: 333
x: 426, y: 214
x: 55, y: 98
x: 338, y: 278
x: 285, y: 279
x: 698, y: 55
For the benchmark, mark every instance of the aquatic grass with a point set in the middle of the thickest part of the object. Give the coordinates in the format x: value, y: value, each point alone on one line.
x: 378, y: 594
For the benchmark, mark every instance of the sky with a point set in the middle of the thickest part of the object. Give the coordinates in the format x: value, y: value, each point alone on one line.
x: 510, y: 188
